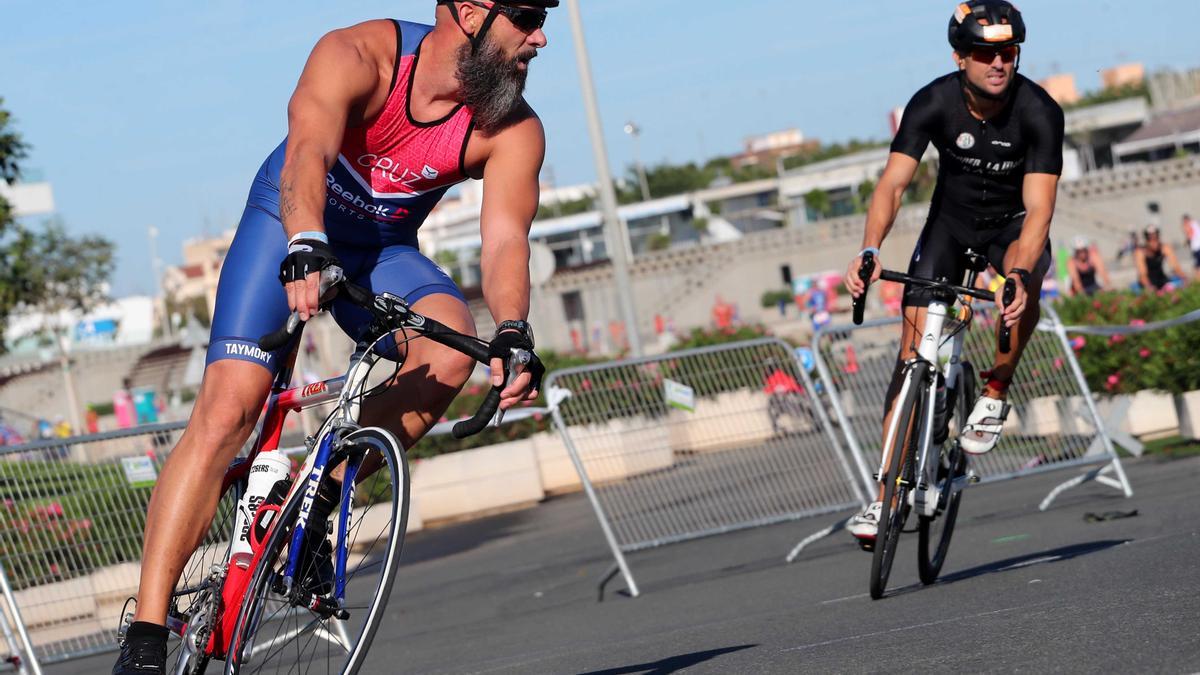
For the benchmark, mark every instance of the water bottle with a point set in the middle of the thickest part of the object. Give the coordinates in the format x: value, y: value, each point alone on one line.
x: 269, y: 468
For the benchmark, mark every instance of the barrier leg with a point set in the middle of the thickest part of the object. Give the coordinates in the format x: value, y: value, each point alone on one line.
x: 599, y: 510
x: 29, y: 662
x: 817, y: 536
x: 1097, y: 474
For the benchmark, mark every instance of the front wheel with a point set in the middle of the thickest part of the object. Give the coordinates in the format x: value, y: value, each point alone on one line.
x: 898, y: 480
x: 935, y: 532
x: 277, y: 628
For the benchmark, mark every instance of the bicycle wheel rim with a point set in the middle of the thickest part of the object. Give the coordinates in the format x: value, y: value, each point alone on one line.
x: 187, y: 608
x: 936, y: 533
x: 276, y: 636
x: 894, y: 512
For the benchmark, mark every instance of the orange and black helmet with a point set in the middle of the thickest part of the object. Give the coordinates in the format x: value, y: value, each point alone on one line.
x: 986, y: 23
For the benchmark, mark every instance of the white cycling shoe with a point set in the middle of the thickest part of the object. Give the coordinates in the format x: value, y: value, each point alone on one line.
x: 864, y: 526
x: 982, y: 430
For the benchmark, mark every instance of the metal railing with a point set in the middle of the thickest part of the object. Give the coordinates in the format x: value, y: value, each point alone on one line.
x: 698, y: 443
x: 71, y: 526
x: 1053, y: 424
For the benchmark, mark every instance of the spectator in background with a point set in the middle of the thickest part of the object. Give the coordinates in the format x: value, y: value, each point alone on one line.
x: 1152, y: 258
x: 1191, y: 234
x: 1086, y: 268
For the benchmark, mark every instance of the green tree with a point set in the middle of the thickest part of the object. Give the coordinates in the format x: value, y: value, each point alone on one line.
x: 44, y: 270
x: 817, y: 201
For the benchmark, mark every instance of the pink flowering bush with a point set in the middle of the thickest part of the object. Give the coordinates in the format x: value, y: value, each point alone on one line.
x: 1166, y: 360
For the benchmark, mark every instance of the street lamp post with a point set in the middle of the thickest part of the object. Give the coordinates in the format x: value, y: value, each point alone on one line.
x: 636, y: 132
x: 160, y: 294
x: 616, y: 236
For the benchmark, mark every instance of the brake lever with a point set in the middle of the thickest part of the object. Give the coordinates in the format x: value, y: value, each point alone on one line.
x: 518, y: 357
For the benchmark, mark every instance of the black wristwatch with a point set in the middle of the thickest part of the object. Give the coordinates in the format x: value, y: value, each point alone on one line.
x: 521, y: 327
x: 1025, y: 275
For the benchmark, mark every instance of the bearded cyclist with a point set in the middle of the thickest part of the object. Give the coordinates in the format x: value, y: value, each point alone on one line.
x: 386, y: 117
x: 999, y: 139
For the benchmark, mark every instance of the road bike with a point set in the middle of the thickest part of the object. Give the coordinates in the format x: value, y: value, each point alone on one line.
x: 304, y: 602
x: 923, y: 468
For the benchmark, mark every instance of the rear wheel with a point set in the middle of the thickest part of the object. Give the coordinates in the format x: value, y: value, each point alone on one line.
x: 935, y: 532
x: 898, y: 480
x: 278, y: 630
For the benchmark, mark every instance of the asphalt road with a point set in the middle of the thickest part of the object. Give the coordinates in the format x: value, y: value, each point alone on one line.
x: 1022, y: 591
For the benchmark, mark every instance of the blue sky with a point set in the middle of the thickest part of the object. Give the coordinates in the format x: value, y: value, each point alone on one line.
x: 159, y: 113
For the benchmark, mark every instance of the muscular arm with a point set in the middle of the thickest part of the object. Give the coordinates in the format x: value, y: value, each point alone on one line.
x: 510, y: 201
x: 1039, y: 193
x: 338, y: 78
x: 887, y: 198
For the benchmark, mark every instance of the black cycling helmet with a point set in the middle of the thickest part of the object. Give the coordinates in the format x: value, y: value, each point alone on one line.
x: 985, y: 23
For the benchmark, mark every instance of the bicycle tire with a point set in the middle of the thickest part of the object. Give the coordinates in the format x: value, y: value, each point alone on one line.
x: 894, y: 512
x: 260, y: 592
x: 930, y: 555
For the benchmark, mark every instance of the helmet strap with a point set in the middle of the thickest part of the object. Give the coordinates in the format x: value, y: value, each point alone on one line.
x: 477, y: 38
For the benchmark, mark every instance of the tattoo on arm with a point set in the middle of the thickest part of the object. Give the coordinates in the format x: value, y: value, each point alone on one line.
x: 287, y: 205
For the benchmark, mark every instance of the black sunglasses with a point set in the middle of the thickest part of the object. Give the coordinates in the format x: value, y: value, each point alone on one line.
x: 526, y: 19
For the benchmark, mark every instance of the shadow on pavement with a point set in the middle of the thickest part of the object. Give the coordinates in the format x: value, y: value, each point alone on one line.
x: 448, y: 540
x: 1022, y: 561
x: 670, y: 664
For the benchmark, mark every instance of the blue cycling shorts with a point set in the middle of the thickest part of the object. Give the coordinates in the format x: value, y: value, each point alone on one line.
x: 251, y: 302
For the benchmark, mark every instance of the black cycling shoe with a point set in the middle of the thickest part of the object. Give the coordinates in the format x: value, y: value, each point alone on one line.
x: 144, y: 651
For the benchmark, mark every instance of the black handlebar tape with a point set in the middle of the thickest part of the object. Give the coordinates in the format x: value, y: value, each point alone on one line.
x: 1010, y: 294
x: 482, y: 416
x: 864, y: 274
x: 278, y: 339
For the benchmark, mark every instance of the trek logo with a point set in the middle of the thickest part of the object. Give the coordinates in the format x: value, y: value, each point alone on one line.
x: 310, y: 494
x: 234, y: 349
x: 312, y: 389
x: 391, y: 170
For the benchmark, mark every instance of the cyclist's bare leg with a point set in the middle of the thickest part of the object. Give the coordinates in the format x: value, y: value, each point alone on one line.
x: 431, y: 377
x: 1006, y: 364
x: 186, y: 494
x: 910, y: 336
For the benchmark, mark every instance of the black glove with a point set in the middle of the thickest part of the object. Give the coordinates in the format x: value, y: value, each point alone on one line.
x: 502, y: 346
x: 304, y: 257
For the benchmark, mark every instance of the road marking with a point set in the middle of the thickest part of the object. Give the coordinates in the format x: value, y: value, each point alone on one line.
x: 864, y: 636
x: 848, y: 597
x: 1011, y: 537
x: 1027, y: 563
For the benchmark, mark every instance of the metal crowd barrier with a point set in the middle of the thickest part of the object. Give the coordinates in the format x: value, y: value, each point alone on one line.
x: 71, y: 534
x: 1053, y: 425
x: 697, y: 443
